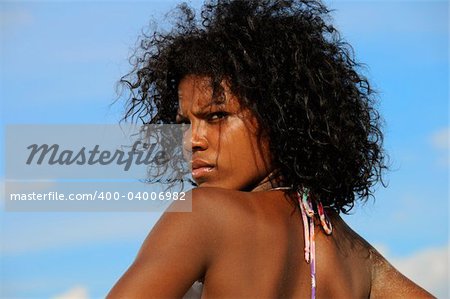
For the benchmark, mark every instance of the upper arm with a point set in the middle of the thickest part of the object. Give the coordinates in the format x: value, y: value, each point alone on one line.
x: 175, y: 254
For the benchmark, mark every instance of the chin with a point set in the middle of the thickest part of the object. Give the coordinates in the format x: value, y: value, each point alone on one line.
x: 221, y: 185
x: 206, y: 183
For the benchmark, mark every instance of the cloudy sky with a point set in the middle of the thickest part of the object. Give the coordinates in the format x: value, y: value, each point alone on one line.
x: 59, y: 62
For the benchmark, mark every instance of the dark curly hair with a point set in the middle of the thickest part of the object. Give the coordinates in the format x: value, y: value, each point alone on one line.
x: 286, y: 63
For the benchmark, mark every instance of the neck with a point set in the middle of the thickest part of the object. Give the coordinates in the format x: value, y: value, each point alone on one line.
x: 271, y: 181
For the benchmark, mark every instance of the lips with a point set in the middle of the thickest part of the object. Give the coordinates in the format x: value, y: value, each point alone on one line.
x: 201, y: 168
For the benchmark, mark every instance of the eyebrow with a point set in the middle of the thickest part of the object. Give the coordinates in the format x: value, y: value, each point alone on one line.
x: 201, y: 110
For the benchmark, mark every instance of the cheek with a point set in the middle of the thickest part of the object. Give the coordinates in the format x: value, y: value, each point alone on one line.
x: 239, y: 151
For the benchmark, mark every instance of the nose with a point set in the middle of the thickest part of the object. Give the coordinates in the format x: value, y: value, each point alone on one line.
x: 195, y: 139
x: 198, y: 139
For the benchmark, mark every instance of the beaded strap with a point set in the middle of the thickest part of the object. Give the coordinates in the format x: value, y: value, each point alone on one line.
x: 307, y: 210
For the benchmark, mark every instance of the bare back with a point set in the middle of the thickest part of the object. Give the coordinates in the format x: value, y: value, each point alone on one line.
x: 250, y: 245
x: 264, y: 257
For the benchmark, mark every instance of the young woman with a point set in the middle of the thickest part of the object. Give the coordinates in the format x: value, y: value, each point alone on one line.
x: 285, y: 137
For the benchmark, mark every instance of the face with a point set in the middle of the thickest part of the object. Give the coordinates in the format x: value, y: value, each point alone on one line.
x: 226, y: 152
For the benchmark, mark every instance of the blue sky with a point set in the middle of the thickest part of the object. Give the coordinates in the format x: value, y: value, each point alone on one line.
x: 59, y: 62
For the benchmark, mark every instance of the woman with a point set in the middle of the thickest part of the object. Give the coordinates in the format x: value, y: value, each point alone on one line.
x: 285, y: 137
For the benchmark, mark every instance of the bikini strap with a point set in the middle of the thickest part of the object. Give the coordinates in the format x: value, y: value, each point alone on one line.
x: 307, y: 210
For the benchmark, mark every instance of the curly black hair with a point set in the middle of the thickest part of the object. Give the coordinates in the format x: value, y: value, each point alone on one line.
x: 287, y: 63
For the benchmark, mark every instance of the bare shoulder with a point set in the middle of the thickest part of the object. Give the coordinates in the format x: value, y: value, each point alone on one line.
x: 203, y: 213
x: 213, y: 195
x: 208, y: 203
x: 221, y: 207
x: 198, y: 221
x: 179, y: 248
x: 388, y: 282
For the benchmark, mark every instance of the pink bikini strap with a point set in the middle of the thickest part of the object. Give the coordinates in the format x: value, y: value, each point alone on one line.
x: 307, y: 209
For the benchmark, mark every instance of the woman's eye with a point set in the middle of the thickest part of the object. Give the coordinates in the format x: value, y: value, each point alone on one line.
x: 182, y: 121
x: 217, y: 116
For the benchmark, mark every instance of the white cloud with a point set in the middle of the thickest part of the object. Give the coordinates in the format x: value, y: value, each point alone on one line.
x: 77, y: 292
x: 428, y: 268
x: 440, y: 139
x: 440, y: 142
